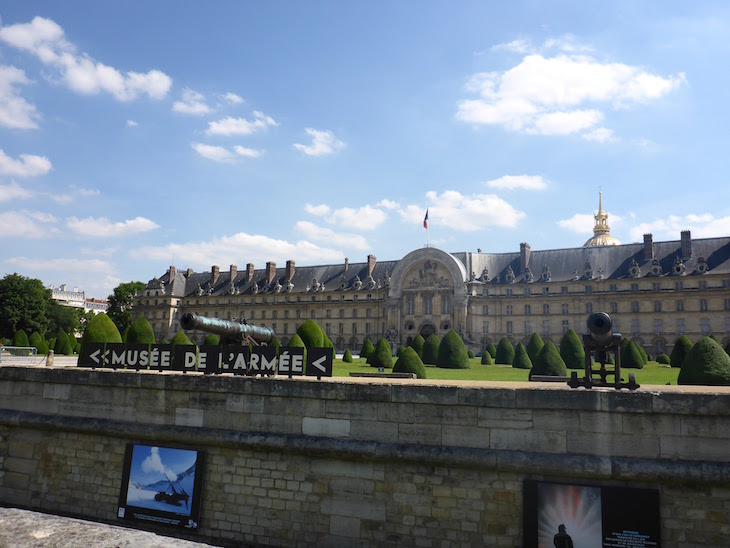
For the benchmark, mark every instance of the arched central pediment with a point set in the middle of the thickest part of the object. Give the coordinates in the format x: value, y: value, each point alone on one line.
x: 428, y: 268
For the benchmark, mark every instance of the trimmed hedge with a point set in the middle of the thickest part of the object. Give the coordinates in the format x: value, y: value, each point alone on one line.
x: 400, y: 351
x: 707, y: 363
x: 631, y: 357
x: 382, y: 356
x: 471, y: 354
x: 180, y: 338
x: 571, y: 350
x: 682, y: 346
x: 311, y: 334
x: 417, y: 344
x: 492, y: 350
x: 431, y: 350
x: 549, y: 362
x: 534, y: 345
x: 452, y: 352
x: 21, y: 339
x: 63, y: 344
x: 487, y: 359
x: 522, y: 358
x: 663, y: 359
x: 41, y: 345
x: 100, y: 329
x: 347, y: 357
x: 409, y: 362
x: 505, y: 352
x: 367, y: 349
x: 141, y: 332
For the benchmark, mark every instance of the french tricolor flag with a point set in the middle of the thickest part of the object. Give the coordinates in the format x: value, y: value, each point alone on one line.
x: 425, y: 220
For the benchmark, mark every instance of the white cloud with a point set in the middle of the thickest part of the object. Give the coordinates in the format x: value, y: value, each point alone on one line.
x: 25, y: 224
x: 322, y: 234
x: 192, y: 103
x: 512, y: 182
x: 79, y: 71
x: 364, y: 218
x: 103, y: 227
x: 240, y: 126
x: 211, y: 152
x: 132, y: 123
x: 27, y: 166
x: 257, y: 249
x: 560, y: 95
x: 15, y: 112
x: 469, y: 213
x: 701, y: 226
x: 14, y: 191
x: 581, y: 223
x: 318, y: 210
x: 521, y: 45
x: 72, y: 266
x: 85, y: 192
x: 232, y: 98
x: 600, y: 134
x: 323, y: 143
x: 247, y: 152
x: 388, y: 204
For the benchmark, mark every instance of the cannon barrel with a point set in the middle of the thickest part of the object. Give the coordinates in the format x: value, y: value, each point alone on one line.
x: 600, y: 328
x: 226, y: 328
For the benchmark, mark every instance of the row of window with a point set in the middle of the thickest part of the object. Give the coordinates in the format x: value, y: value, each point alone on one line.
x: 659, y: 325
x: 427, y: 301
x: 613, y: 288
x: 613, y: 306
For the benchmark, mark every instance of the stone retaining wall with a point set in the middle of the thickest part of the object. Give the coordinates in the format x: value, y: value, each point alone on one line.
x: 360, y: 462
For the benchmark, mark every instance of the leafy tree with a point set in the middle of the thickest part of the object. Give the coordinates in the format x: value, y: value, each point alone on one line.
x: 431, y: 349
x: 522, y: 359
x: 452, y: 352
x: 23, y: 305
x: 492, y: 350
x: 120, y: 304
x: 571, y: 350
x: 682, y: 346
x: 367, y: 348
x: 549, y: 362
x: 21, y: 339
x: 141, y: 332
x: 487, y: 359
x: 707, y: 363
x: 417, y: 344
x: 347, y: 358
x: 631, y: 357
x: 382, y: 356
x: 534, y: 345
x: 505, y: 352
x: 63, y: 317
x: 409, y: 362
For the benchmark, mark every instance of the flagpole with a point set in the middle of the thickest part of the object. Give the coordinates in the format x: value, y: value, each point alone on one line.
x: 425, y: 225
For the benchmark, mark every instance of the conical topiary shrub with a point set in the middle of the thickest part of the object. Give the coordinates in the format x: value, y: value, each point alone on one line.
x: 367, y: 349
x: 505, y: 352
x: 487, y: 358
x: 400, y: 350
x: 296, y: 342
x: 417, y: 344
x: 382, y: 356
x: 409, y: 362
x: 452, y: 352
x: 141, y: 332
x: 492, y: 350
x: 534, y: 345
x: 707, y: 363
x: 211, y: 339
x: 100, y: 329
x: 663, y: 359
x: 180, y: 338
x: 571, y: 350
x: 431, y: 350
x: 642, y: 352
x: 347, y: 357
x: 21, y: 339
x: 522, y: 359
x: 63, y: 345
x: 682, y: 346
x: 40, y: 344
x: 631, y: 357
x: 471, y: 354
x: 312, y: 334
x: 549, y: 362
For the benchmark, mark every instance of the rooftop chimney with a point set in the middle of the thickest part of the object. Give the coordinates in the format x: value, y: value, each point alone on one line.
x: 289, y: 269
x: 172, y: 272
x: 189, y: 273
x: 686, y: 245
x: 648, y: 247
x: 371, y: 264
x: 249, y: 272
x: 234, y: 272
x: 270, y: 271
x: 347, y: 264
x: 524, y: 257
x: 214, y: 273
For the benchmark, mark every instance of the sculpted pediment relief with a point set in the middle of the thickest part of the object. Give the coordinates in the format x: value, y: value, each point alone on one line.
x: 428, y: 274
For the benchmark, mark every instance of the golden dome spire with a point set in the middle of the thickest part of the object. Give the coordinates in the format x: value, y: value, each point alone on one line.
x: 601, y: 230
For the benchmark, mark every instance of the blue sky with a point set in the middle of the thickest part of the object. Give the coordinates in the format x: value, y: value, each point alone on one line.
x: 136, y: 135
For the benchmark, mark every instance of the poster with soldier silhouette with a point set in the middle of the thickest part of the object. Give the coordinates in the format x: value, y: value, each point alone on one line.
x: 564, y: 515
x: 162, y: 485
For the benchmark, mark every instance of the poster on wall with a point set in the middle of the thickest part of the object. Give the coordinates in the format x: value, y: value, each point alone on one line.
x: 162, y: 485
x: 565, y: 516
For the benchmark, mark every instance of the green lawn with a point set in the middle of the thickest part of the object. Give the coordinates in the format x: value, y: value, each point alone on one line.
x: 652, y: 373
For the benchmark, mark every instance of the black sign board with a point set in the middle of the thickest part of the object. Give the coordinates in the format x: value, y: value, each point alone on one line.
x: 319, y: 362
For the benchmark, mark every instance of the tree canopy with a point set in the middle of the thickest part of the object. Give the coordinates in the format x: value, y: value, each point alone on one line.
x: 23, y: 305
x: 120, y: 304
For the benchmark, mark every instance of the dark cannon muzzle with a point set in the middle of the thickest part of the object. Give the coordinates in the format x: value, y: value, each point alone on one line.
x: 228, y: 329
x: 600, y: 328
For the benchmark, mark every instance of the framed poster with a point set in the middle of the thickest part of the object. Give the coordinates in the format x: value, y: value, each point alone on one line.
x: 162, y: 485
x: 565, y: 516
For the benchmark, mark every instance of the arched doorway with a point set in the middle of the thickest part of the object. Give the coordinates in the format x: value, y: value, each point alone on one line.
x: 427, y: 329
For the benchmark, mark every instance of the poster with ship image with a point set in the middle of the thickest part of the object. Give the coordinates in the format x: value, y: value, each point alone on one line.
x: 162, y: 485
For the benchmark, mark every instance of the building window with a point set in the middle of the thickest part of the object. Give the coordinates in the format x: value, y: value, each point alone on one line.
x: 508, y: 292
x: 679, y: 286
x: 367, y: 312
x: 367, y: 328
x: 564, y: 290
x: 327, y: 328
x: 527, y: 292
x: 342, y: 312
x: 485, y: 327
x: 613, y: 288
x: 509, y: 328
x: 286, y: 314
x: 546, y: 327
x: 286, y: 328
x: 564, y: 308
x: 410, y: 305
x: 589, y: 289
x: 634, y: 288
x: 354, y: 297
x: 527, y: 310
x: 445, y: 304
x: 680, y: 305
x: 528, y: 328
x: 614, y: 308
x: 616, y: 328
x: 589, y: 308
x: 313, y: 314
x: 485, y: 310
x: 252, y: 315
x: 705, y: 326
x: 354, y: 328
x: 341, y: 328
x: 354, y: 312
x: 329, y: 313
x: 509, y: 309
x: 635, y: 327
x: 634, y: 306
x: 428, y: 305
x: 342, y: 298
x: 727, y: 325
x: 703, y: 305
x: 546, y: 290
x: 485, y: 292
x: 656, y: 286
x: 546, y: 309
x: 565, y: 326
x: 657, y: 306
x: 727, y: 304
x: 657, y: 326
x: 369, y: 296
x: 680, y: 326
x: 702, y: 285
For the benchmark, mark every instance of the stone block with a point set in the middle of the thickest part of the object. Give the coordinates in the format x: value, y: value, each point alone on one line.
x: 695, y: 448
x: 446, y: 414
x: 609, y: 444
x: 466, y: 436
x: 558, y: 398
x: 554, y: 420
x: 439, y: 395
x: 342, y: 468
x: 495, y: 417
x: 597, y: 421
x: 188, y: 417
x: 383, y: 432
x: 366, y: 410
x: 396, y: 412
x: 528, y: 440
x: 328, y: 428
x: 354, y: 507
x: 56, y: 391
x: 424, y: 434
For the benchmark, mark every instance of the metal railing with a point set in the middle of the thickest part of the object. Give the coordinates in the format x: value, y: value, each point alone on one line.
x: 20, y: 355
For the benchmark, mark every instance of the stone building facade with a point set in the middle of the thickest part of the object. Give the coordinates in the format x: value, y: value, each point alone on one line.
x: 654, y: 292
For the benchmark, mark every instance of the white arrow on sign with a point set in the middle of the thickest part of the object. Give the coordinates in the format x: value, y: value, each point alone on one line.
x: 318, y: 364
x: 95, y: 356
